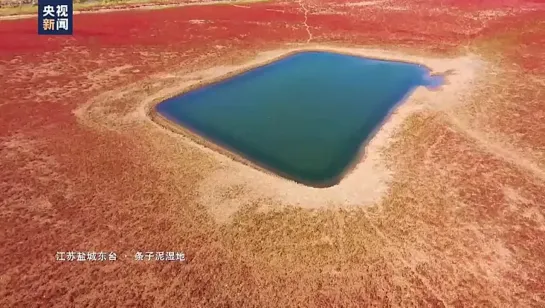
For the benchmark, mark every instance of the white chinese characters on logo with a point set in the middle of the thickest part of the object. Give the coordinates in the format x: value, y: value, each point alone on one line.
x: 62, y: 23
x: 49, y: 10
x: 62, y: 10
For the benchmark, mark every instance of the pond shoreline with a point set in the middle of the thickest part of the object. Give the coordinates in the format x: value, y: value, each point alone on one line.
x: 171, y: 123
x: 366, y: 181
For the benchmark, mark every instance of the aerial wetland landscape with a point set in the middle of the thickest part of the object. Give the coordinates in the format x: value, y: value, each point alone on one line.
x: 305, y: 116
x: 307, y: 153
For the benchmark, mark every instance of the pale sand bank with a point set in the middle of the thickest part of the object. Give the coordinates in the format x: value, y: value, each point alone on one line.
x: 366, y: 184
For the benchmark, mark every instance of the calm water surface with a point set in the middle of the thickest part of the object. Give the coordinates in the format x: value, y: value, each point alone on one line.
x: 304, y: 117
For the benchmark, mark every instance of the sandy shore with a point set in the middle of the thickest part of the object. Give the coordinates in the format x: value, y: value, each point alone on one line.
x: 366, y: 184
x: 452, y: 184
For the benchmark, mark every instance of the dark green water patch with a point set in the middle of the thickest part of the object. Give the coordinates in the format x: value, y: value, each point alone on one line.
x: 304, y: 117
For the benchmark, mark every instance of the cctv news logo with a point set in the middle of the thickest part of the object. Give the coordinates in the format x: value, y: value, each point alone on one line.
x: 55, y: 17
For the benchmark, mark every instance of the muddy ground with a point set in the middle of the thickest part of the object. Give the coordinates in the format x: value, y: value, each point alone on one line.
x: 460, y: 223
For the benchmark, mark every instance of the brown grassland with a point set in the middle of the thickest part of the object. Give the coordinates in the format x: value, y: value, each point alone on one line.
x: 460, y: 221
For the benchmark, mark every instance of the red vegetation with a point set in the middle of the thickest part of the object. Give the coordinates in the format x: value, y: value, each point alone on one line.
x: 65, y: 186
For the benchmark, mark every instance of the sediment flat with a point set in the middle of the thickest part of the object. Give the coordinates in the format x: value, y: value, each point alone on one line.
x: 444, y: 209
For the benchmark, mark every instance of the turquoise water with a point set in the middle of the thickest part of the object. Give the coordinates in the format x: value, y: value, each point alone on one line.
x: 303, y: 117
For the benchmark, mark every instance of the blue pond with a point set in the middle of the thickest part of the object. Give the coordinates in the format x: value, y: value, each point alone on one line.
x: 304, y: 117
